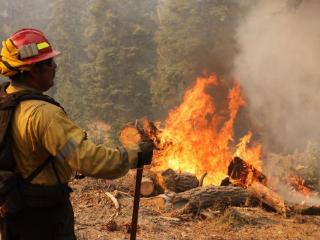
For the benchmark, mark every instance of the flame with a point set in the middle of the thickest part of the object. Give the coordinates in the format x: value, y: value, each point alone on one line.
x: 298, y: 184
x: 199, y: 140
x: 249, y: 154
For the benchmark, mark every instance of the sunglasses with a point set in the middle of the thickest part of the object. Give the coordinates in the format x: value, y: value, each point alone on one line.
x: 49, y: 62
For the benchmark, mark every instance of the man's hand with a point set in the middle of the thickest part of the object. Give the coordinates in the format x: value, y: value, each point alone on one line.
x: 145, y: 156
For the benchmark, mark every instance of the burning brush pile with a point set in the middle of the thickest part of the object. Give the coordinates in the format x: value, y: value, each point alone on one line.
x: 198, y: 164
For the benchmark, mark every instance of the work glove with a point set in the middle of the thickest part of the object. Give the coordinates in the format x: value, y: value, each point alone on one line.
x: 146, y: 152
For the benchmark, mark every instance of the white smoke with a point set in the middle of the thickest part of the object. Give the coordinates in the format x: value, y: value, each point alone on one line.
x: 278, y: 66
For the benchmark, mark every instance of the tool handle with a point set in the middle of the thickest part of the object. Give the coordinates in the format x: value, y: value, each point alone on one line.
x: 134, y: 221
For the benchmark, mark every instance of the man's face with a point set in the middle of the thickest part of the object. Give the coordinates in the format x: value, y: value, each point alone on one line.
x: 47, y: 71
x: 42, y: 74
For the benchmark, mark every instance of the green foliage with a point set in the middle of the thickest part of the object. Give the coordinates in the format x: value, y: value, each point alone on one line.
x: 121, y: 57
x: 123, y: 60
x: 68, y: 40
x: 311, y: 161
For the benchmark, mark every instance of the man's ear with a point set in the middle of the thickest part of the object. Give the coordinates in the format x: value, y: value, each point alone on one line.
x: 35, y: 71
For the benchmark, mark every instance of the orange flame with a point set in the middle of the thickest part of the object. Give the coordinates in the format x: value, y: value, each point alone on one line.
x: 249, y: 154
x: 197, y: 139
x: 298, y: 184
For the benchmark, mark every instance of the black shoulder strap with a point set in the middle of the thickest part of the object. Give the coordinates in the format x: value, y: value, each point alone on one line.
x: 13, y: 99
x: 8, y: 103
x: 39, y: 169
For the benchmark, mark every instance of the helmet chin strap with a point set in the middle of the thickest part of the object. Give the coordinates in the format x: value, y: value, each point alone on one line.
x: 21, y: 75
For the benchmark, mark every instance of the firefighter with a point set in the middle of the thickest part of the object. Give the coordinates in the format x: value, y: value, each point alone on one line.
x: 41, y: 131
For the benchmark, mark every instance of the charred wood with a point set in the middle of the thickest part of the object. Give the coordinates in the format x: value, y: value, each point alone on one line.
x: 241, y: 173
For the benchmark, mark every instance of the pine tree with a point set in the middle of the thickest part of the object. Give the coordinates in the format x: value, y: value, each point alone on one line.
x: 194, y: 38
x: 65, y: 33
x: 121, y: 56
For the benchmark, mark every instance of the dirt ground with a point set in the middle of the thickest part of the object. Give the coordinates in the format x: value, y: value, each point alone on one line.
x: 94, y: 210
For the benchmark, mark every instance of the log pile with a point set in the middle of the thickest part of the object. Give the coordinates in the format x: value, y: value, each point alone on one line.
x: 246, y: 186
x: 183, y: 192
x: 179, y: 190
x: 167, y: 181
x: 245, y: 175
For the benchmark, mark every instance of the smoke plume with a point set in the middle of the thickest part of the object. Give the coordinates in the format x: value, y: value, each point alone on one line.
x: 279, y: 67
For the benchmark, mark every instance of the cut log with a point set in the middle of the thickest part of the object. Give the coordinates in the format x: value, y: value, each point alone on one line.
x: 147, y: 187
x: 267, y: 196
x: 129, y: 136
x: 160, y: 202
x: 177, y: 181
x: 132, y: 133
x: 209, y: 196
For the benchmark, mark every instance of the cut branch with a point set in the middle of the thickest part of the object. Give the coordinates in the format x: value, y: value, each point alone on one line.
x: 116, y: 205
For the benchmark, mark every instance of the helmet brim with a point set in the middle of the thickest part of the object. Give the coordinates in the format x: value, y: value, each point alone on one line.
x: 42, y: 57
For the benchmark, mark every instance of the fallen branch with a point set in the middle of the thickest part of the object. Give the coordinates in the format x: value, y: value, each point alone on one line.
x: 114, y: 201
x: 202, y: 179
x: 116, y: 205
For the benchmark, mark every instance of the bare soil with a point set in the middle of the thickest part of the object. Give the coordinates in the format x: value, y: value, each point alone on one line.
x: 95, y: 218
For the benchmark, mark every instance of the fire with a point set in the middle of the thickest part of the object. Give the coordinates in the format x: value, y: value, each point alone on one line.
x: 249, y: 154
x: 298, y: 184
x: 198, y: 139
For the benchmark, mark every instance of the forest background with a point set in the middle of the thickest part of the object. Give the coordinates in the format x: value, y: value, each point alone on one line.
x: 123, y: 60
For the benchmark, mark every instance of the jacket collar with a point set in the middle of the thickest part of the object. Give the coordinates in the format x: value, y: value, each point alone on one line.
x: 17, y: 87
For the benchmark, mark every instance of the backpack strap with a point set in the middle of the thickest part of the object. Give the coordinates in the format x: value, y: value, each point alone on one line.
x: 39, y: 169
x: 55, y: 172
x: 11, y: 100
x: 8, y: 103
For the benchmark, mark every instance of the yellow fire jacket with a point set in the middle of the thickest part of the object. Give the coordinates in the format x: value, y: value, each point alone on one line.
x: 41, y: 128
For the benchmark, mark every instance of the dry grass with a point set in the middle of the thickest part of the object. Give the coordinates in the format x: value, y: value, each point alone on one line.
x: 93, y: 210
